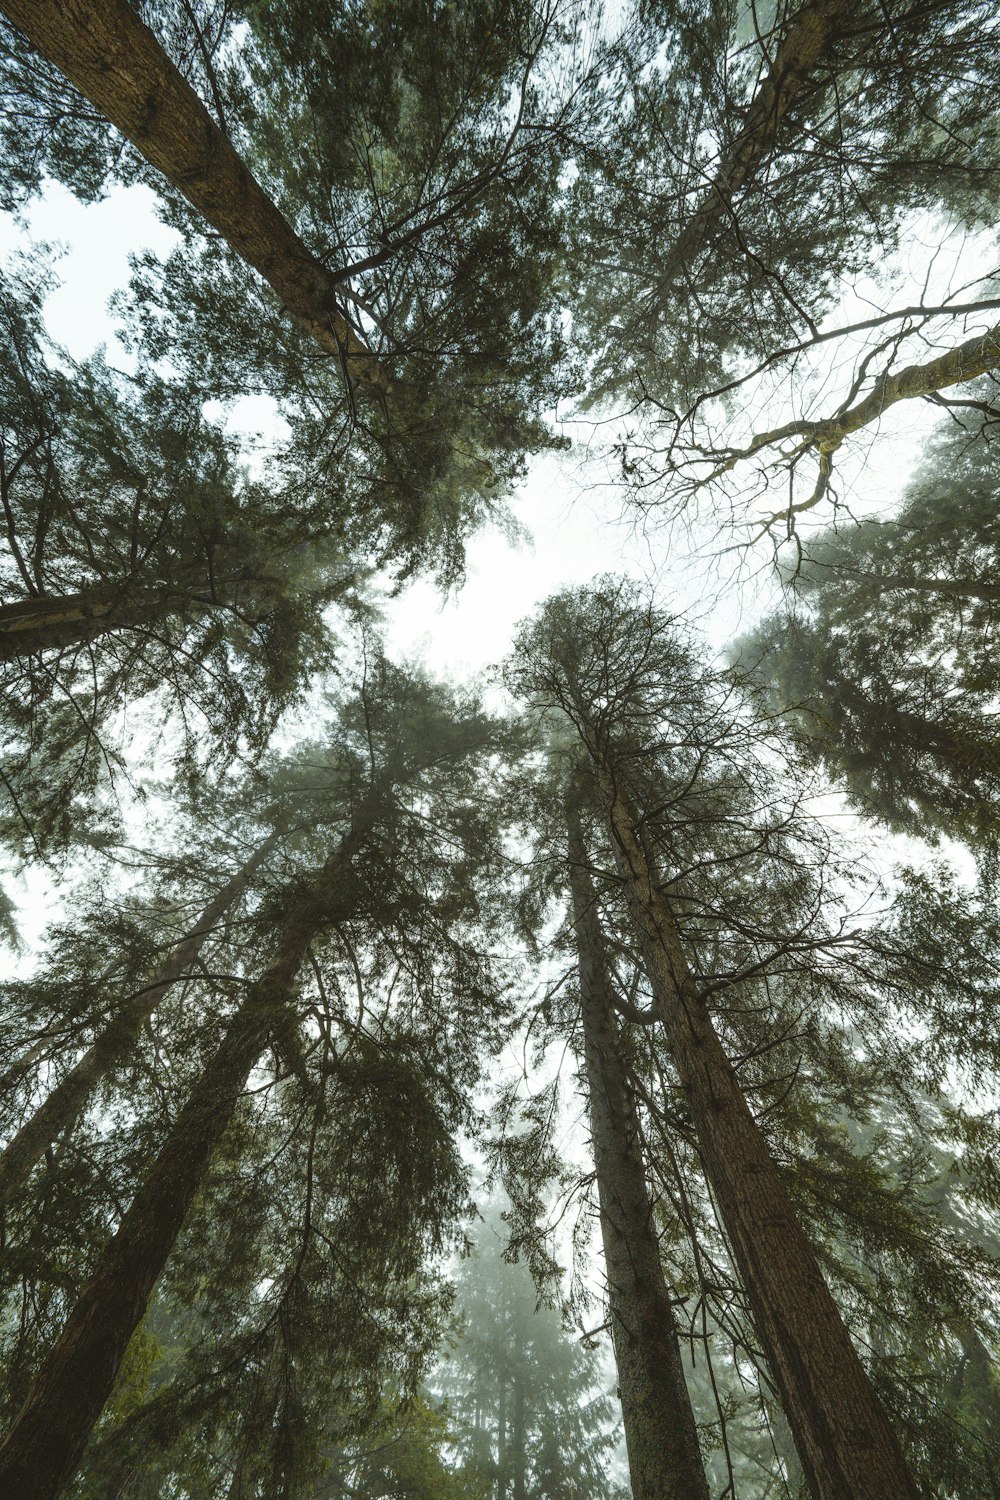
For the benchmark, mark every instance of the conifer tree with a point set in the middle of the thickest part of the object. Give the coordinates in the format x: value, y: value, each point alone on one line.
x: 626, y: 683
x: 660, y: 1433
x: 750, y: 171
x: 138, y: 562
x: 885, y: 656
x: 403, y: 214
x: 524, y: 1394
x: 403, y: 741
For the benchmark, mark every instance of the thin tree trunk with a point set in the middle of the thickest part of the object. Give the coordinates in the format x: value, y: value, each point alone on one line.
x: 519, y: 1441
x: 502, y: 1442
x: 117, y: 63
x: 46, y: 1442
x: 847, y: 1448
x: 62, y: 1106
x: 660, y: 1435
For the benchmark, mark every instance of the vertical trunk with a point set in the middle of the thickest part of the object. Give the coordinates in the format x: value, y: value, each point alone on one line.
x: 519, y: 1446
x: 69, y: 1096
x: 117, y: 63
x: 660, y: 1434
x: 46, y: 1442
x: 502, y: 1443
x: 847, y: 1448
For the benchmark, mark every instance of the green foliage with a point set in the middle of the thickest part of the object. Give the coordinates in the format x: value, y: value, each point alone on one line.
x: 667, y: 312
x: 886, y: 658
x: 843, y: 1028
x: 140, y: 566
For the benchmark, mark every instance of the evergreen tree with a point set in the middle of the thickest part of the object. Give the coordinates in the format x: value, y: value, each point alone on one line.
x: 397, y: 875
x: 138, y: 562
x: 660, y: 1432
x: 754, y: 164
x: 613, y: 666
x: 367, y: 167
x: 885, y: 657
x: 524, y: 1394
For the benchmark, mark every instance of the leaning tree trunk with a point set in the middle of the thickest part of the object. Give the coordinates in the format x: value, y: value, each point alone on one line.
x: 59, y: 622
x: 117, y: 63
x: 660, y: 1435
x: 46, y: 1442
x: 62, y: 1106
x: 846, y: 1445
x: 801, y: 55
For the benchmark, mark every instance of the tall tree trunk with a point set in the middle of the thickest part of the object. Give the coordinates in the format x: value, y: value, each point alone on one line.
x: 46, y: 1442
x: 58, y: 622
x: 117, y: 1040
x: 519, y: 1441
x: 847, y: 1447
x: 117, y: 63
x: 801, y: 53
x: 660, y: 1434
x: 502, y: 1441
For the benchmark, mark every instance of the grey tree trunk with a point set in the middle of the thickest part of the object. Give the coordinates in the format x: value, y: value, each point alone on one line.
x: 660, y: 1435
x: 46, y: 1442
x: 117, y: 63
x: 62, y: 1106
x: 846, y: 1445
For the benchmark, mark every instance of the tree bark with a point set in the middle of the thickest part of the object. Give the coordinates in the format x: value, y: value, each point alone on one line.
x: 58, y: 622
x: 800, y: 53
x: 46, y: 1442
x: 976, y: 356
x: 956, y: 588
x: 62, y: 1106
x: 660, y: 1435
x: 847, y: 1448
x: 117, y: 63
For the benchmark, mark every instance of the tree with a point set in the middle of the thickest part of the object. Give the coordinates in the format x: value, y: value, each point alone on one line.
x: 410, y: 739
x: 660, y: 1432
x: 138, y: 562
x: 428, y: 218
x: 618, y: 672
x: 64, y: 1102
x: 524, y: 1395
x: 885, y: 657
x: 750, y: 171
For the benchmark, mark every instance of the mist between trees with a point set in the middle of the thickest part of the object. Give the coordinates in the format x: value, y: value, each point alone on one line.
x: 579, y: 1081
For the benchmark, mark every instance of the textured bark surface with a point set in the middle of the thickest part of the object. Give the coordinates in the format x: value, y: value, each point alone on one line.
x: 117, y: 63
x: 62, y: 1106
x: 800, y: 53
x: 60, y: 622
x: 847, y: 1448
x: 46, y: 1442
x: 660, y: 1434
